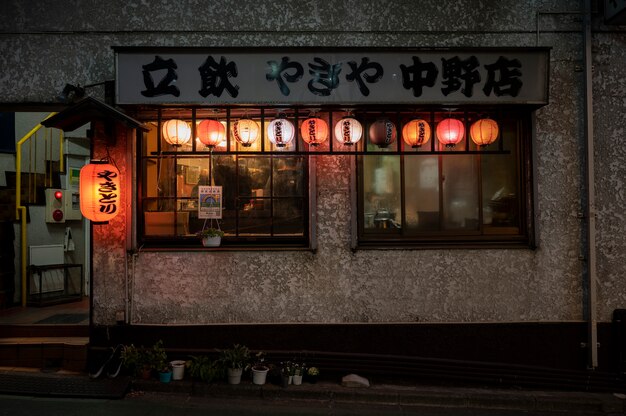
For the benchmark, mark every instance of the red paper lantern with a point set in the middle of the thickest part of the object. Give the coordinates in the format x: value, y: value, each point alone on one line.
x: 484, y: 132
x: 314, y: 131
x: 450, y: 131
x: 280, y: 132
x: 176, y: 132
x: 348, y: 131
x: 245, y: 131
x: 211, y: 132
x: 383, y: 132
x: 416, y: 133
x: 100, y: 191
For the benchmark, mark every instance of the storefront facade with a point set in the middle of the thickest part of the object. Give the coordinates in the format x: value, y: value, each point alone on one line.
x: 466, y: 252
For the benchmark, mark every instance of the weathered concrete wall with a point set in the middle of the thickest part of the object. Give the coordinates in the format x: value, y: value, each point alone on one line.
x: 335, y: 284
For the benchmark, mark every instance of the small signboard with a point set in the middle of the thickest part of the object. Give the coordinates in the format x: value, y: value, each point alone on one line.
x: 210, y: 202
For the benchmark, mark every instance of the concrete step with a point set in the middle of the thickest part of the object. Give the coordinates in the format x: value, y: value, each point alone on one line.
x: 48, y: 353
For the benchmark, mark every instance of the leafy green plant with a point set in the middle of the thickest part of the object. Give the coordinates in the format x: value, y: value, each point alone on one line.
x: 204, y: 368
x: 236, y: 357
x: 159, y: 357
x: 135, y: 359
x: 210, y: 232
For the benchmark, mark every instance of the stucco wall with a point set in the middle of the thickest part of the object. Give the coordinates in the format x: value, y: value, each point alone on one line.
x: 335, y: 284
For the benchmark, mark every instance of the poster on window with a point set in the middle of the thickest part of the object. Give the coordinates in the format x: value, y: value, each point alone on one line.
x: 210, y: 202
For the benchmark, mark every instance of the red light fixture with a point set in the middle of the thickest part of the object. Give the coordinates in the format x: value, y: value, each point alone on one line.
x: 450, y: 131
x: 416, y: 133
x: 100, y: 191
x: 314, y: 131
x: 211, y: 133
x: 484, y: 132
x: 383, y: 132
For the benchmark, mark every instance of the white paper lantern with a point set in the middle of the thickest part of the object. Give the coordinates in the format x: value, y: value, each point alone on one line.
x: 280, y: 131
x: 348, y: 131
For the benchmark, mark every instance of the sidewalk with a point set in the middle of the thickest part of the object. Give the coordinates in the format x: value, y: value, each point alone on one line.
x: 18, y: 381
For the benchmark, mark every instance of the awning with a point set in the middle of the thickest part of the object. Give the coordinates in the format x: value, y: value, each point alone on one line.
x: 87, y: 110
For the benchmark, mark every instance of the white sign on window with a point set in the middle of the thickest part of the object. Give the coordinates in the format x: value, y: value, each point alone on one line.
x: 210, y: 202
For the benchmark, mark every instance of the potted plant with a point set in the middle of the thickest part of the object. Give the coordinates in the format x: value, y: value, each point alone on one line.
x: 259, y: 369
x: 178, y: 369
x: 137, y: 361
x: 312, y: 374
x: 286, y: 373
x: 298, y: 372
x: 211, y: 237
x: 160, y: 363
x: 202, y: 367
x: 235, y: 359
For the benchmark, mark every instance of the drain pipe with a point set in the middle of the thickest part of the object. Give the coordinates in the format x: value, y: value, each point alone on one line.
x: 590, y: 206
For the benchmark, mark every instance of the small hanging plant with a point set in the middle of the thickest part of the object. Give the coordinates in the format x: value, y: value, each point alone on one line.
x: 210, y: 232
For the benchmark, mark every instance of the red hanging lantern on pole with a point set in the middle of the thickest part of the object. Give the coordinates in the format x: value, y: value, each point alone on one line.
x: 383, y: 132
x: 484, y: 132
x: 314, y: 131
x: 100, y: 191
x: 416, y: 133
x: 450, y: 131
x: 211, y: 133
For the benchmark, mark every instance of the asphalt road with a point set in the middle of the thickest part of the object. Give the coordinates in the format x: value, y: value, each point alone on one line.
x: 158, y: 404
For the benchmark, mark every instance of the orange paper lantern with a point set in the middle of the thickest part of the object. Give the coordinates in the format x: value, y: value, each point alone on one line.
x: 245, y: 131
x: 484, y: 132
x: 383, y: 132
x: 100, y: 191
x: 314, y: 131
x: 348, y: 131
x: 211, y: 132
x: 416, y: 133
x: 176, y: 132
x: 450, y: 131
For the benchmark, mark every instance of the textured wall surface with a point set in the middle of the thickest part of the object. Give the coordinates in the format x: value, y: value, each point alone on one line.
x: 335, y: 284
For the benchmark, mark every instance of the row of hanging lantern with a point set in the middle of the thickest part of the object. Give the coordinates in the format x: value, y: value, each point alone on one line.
x: 348, y: 131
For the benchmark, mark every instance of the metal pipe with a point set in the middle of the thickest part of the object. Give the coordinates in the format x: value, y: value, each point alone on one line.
x: 590, y: 206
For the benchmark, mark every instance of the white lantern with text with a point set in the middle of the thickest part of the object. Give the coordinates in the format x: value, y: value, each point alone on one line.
x: 348, y: 131
x: 100, y: 191
x: 280, y: 132
x: 245, y: 131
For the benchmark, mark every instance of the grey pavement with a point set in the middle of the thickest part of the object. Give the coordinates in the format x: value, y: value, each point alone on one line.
x: 47, y: 394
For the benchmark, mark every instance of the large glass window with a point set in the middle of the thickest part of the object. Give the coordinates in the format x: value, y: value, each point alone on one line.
x: 437, y: 195
x: 264, y: 196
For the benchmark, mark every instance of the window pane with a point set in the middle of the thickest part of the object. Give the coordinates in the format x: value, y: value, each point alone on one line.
x: 460, y: 192
x: 289, y: 216
x: 500, y: 183
x: 421, y: 183
x: 288, y: 176
x: 382, y: 193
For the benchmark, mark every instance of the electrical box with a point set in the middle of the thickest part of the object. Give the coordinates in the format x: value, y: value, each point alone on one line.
x: 55, y: 205
x: 72, y: 205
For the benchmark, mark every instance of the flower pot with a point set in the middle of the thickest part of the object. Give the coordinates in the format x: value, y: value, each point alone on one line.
x: 165, y: 376
x: 146, y: 373
x: 178, y: 369
x: 212, y: 241
x: 234, y: 375
x: 297, y: 380
x: 285, y: 381
x: 259, y: 374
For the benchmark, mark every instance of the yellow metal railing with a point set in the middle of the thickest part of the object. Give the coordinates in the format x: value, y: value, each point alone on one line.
x: 20, y: 210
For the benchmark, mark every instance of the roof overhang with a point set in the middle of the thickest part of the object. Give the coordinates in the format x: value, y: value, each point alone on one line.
x: 88, y: 110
